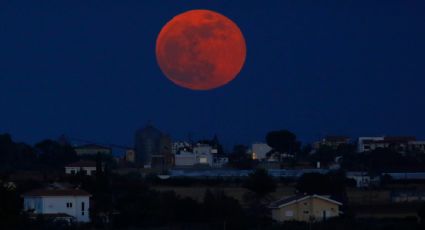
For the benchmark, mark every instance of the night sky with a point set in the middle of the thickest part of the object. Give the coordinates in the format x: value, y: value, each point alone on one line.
x: 88, y: 69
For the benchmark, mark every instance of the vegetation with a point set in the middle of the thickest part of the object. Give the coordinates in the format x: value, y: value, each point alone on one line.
x: 283, y: 141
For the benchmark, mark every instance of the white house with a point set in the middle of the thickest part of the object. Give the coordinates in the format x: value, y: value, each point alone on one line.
x: 186, y: 159
x: 202, y: 149
x: 87, y: 167
x: 220, y: 161
x: 260, y: 150
x: 363, y: 179
x: 61, y: 202
x: 363, y: 143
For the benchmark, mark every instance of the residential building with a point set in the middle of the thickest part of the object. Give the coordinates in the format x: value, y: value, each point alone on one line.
x: 260, y: 150
x: 304, y: 207
x: 363, y: 179
x: 130, y: 155
x: 86, y: 167
x: 60, y: 202
x: 416, y: 146
x: 187, y: 159
x: 331, y: 141
x: 220, y: 161
x: 405, y: 196
x: 202, y: 149
x: 180, y: 146
x: 363, y: 143
x: 396, y: 143
x: 92, y: 149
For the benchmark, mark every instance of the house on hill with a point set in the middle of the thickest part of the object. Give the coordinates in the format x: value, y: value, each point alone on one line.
x: 305, y: 208
x: 92, y: 150
x: 86, y: 167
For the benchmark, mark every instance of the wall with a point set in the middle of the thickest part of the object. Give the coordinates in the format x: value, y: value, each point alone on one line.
x: 58, y: 204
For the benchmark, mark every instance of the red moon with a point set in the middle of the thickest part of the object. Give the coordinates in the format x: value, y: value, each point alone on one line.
x: 200, y: 50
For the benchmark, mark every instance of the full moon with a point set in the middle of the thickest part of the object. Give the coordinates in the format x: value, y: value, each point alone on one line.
x: 200, y: 50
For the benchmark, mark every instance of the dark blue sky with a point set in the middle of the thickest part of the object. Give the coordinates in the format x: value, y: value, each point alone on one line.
x: 87, y: 69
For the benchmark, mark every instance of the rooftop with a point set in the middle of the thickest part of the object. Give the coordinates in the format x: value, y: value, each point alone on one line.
x: 337, y: 138
x: 57, y: 192
x: 299, y: 197
x: 82, y: 164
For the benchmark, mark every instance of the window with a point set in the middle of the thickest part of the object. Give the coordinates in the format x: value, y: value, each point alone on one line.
x: 72, y: 171
x: 82, y: 206
x: 289, y: 213
x: 203, y: 160
x: 306, y: 212
x: 69, y: 204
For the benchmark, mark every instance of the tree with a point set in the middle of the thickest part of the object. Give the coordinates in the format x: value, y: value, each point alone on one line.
x: 217, y: 207
x: 15, y: 156
x: 54, y: 155
x: 323, y: 184
x: 240, y: 159
x: 260, y: 183
x: 283, y: 141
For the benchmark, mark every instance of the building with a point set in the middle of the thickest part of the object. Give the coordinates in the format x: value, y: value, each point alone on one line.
x: 59, y: 202
x: 406, y: 196
x: 86, y: 167
x: 189, y: 159
x: 363, y: 179
x: 92, y: 149
x: 362, y: 143
x: 306, y: 208
x: 180, y: 146
x: 397, y: 143
x: 130, y: 155
x: 260, y: 150
x: 164, y: 158
x: 417, y: 146
x: 203, y: 149
x: 331, y: 141
x: 220, y: 161
x: 148, y: 144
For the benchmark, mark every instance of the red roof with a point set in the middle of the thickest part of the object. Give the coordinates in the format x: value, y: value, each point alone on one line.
x: 400, y: 138
x: 82, y: 164
x: 391, y: 140
x: 337, y: 138
x: 57, y: 192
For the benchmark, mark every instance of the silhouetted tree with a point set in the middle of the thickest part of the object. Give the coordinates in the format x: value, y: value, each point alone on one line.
x: 283, y: 141
x: 16, y: 156
x: 217, y: 207
x: 240, y: 159
x: 323, y: 184
x: 54, y: 155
